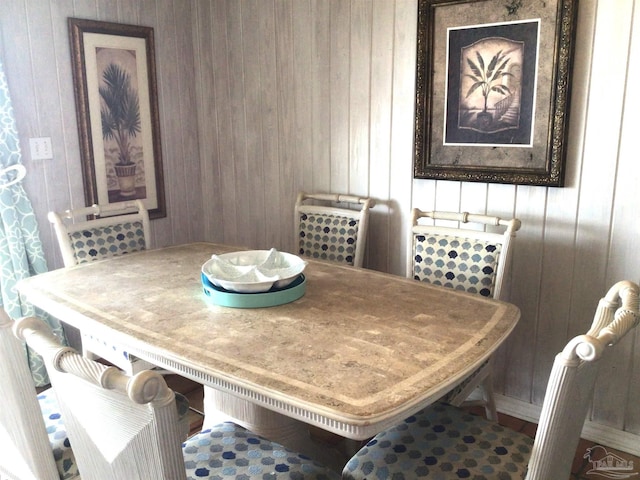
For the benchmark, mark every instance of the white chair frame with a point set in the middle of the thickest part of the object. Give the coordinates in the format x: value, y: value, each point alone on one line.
x: 329, y: 206
x: 25, y: 449
x: 99, y: 216
x: 567, y: 400
x: 71, y: 221
x: 483, y: 376
x: 505, y: 238
x: 128, y: 426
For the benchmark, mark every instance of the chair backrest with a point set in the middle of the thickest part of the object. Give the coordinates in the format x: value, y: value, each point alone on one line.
x: 329, y: 229
x: 458, y: 256
x: 111, y: 230
x: 572, y: 381
x: 119, y: 426
x: 25, y: 450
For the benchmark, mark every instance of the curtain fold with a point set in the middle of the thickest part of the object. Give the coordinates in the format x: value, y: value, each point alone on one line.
x: 21, y: 254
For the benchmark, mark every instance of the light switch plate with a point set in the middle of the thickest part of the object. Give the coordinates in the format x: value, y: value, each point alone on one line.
x: 41, y: 148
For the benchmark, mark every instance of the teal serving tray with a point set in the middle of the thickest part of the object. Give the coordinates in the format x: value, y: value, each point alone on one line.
x: 277, y: 296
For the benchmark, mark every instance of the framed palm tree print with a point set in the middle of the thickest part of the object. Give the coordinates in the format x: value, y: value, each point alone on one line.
x: 492, y: 90
x: 117, y: 111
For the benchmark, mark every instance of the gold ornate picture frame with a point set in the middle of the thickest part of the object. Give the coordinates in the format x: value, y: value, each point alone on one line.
x: 492, y: 90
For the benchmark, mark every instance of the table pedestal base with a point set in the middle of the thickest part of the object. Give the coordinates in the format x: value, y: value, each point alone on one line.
x: 294, y: 434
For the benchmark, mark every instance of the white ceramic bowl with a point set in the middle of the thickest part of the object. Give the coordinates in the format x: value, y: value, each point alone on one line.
x: 253, y: 271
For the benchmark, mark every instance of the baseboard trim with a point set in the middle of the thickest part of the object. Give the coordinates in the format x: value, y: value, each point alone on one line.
x: 595, y: 432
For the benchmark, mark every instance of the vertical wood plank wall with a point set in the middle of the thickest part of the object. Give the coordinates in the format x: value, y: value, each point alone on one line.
x: 261, y: 98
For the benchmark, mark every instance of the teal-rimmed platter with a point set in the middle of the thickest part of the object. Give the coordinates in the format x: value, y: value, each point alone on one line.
x: 276, y: 296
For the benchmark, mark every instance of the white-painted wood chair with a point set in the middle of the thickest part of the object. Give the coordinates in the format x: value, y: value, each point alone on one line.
x: 330, y: 229
x: 97, y: 232
x: 469, y: 252
x: 444, y: 441
x: 114, y: 229
x: 128, y: 427
x: 33, y: 440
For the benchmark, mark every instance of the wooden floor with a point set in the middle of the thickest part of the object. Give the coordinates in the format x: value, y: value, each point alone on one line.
x: 581, y: 469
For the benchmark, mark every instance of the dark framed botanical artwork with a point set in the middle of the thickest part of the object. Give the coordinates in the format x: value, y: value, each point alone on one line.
x: 493, y: 90
x: 117, y: 110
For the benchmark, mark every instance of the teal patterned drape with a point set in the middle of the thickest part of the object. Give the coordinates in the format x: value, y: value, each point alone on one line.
x: 21, y: 253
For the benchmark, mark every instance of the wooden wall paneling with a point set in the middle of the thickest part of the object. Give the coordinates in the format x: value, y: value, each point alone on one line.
x: 129, y: 12
x: 85, y: 9
x: 448, y: 196
x: 226, y: 156
x: 339, y: 96
x: 473, y: 197
x: 402, y: 114
x: 275, y: 235
x: 18, y: 70
x: 382, y: 50
x: 161, y: 229
x: 359, y: 96
x: 519, y: 352
x: 63, y: 175
x: 188, y: 159
x: 598, y: 183
x: 285, y: 75
x: 625, y: 245
x: 561, y: 217
x: 238, y: 120
x: 499, y: 200
x: 68, y: 144
x: 257, y: 190
x: 207, y: 122
x: 303, y: 126
x: 622, y: 262
x: 174, y: 225
x: 108, y: 10
x: 46, y: 83
x: 320, y: 91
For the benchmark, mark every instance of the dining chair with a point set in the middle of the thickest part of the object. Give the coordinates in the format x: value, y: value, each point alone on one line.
x: 33, y: 440
x: 100, y: 231
x: 333, y: 227
x: 125, y: 426
x: 97, y: 232
x: 469, y: 252
x: 446, y: 441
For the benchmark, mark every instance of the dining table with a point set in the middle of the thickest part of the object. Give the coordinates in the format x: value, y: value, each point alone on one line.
x: 359, y: 351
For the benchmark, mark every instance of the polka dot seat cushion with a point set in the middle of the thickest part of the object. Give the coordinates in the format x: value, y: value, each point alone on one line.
x: 98, y: 243
x: 328, y: 237
x: 442, y: 442
x: 228, y: 451
x: 456, y: 262
x: 62, y: 452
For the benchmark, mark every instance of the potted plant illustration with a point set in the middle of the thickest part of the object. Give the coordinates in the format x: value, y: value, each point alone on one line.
x: 120, y: 115
x: 487, y: 78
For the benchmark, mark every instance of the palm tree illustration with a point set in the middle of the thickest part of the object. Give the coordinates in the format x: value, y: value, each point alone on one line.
x: 120, y: 111
x: 486, y: 77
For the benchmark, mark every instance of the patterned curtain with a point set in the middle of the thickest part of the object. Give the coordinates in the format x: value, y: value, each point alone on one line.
x: 21, y: 254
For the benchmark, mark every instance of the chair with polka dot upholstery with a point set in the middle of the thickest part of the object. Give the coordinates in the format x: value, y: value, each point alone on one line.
x: 97, y: 232
x: 469, y: 252
x: 125, y: 426
x: 328, y: 229
x: 33, y: 440
x: 443, y: 441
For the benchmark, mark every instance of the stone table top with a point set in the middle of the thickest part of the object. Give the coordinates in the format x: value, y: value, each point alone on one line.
x: 360, y: 348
